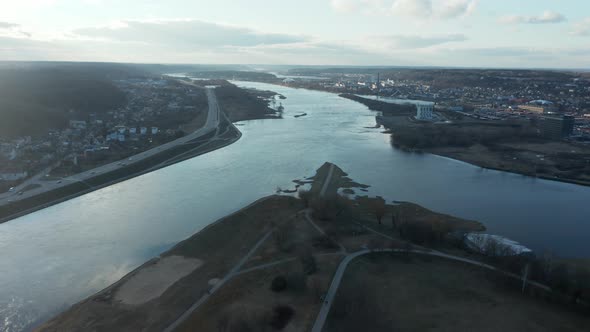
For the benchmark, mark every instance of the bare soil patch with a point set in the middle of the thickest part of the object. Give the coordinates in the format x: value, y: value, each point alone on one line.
x: 151, y: 282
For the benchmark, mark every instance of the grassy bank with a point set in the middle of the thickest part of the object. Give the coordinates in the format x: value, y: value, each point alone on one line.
x: 413, y: 293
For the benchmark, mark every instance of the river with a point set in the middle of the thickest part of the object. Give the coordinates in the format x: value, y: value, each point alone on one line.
x: 57, y: 256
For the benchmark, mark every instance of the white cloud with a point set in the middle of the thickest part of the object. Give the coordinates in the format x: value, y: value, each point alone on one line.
x: 8, y: 29
x: 548, y: 17
x: 412, y: 7
x: 416, y: 42
x: 440, y: 9
x: 7, y: 25
x: 185, y: 34
x: 452, y: 9
x: 581, y: 28
x: 345, y: 6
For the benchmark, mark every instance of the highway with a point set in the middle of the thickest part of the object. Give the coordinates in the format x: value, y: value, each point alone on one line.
x: 212, y: 124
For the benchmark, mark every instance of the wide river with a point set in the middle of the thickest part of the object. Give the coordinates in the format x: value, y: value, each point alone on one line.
x: 55, y: 257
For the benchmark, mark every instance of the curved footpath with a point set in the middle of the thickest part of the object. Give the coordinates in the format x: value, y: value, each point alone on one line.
x: 329, y: 298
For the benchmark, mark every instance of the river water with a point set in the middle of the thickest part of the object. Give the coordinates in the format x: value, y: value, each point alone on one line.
x: 55, y: 257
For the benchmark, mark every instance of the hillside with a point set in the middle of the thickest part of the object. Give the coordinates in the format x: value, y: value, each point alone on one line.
x: 36, y: 99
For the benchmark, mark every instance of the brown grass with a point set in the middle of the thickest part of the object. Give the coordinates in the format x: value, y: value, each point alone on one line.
x: 426, y: 294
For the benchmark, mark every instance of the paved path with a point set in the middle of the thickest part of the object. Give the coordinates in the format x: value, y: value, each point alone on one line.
x: 327, y: 181
x: 212, y: 123
x: 232, y: 273
x: 320, y: 230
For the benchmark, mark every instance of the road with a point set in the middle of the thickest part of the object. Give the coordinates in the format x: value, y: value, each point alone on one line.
x: 212, y: 124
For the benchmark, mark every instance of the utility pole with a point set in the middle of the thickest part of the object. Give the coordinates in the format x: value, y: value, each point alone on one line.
x: 378, y: 84
x: 525, y: 276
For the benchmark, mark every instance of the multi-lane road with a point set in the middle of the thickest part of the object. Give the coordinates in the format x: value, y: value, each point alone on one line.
x: 42, y: 185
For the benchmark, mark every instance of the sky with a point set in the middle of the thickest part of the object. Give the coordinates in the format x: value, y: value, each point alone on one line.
x: 457, y: 33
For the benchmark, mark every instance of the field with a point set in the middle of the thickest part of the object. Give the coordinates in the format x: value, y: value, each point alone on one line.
x: 385, y: 292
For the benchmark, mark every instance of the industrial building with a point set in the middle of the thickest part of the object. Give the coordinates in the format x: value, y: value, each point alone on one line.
x: 540, y: 106
x: 557, y: 126
x: 424, y: 111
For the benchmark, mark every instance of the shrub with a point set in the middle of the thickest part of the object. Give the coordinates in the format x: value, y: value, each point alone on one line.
x: 281, y: 316
x: 278, y: 284
x: 305, y: 196
x: 324, y: 242
x: 308, y: 262
x: 297, y: 281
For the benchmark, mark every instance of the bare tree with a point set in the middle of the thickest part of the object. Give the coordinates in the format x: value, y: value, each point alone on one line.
x: 308, y: 262
x: 379, y: 208
x: 305, y: 196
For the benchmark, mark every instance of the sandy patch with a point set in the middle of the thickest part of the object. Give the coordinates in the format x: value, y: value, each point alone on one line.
x: 151, y: 282
x: 214, y: 281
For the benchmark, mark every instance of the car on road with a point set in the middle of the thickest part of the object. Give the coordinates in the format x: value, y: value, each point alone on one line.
x: 20, y: 193
x: 59, y: 181
x: 11, y: 189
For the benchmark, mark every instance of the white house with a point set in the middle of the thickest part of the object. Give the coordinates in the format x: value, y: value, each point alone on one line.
x: 154, y: 130
x: 78, y: 124
x: 495, y: 245
x: 12, y: 175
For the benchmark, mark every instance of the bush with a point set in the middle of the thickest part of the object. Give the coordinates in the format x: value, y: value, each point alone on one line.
x: 297, y: 281
x: 324, y: 242
x: 244, y: 319
x: 308, y: 262
x: 305, y: 196
x: 278, y: 284
x: 281, y: 317
x: 417, y: 232
x: 282, y: 238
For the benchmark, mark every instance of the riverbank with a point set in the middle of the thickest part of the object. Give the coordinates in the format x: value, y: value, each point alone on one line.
x: 509, y: 146
x: 222, y: 133
x: 216, y: 132
x: 163, y: 159
x: 502, y: 160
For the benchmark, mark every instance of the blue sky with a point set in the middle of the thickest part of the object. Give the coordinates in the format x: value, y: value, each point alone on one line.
x: 482, y: 33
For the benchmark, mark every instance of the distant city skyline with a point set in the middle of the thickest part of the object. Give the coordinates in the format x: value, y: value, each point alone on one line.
x: 453, y: 33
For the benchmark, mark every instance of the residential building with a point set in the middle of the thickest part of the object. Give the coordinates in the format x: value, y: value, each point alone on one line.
x: 78, y: 124
x: 10, y: 174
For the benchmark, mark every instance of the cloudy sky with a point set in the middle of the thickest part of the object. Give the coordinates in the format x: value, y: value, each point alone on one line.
x: 482, y: 33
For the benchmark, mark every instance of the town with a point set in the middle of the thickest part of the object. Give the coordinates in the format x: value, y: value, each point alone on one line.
x: 156, y: 111
x: 560, y: 98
